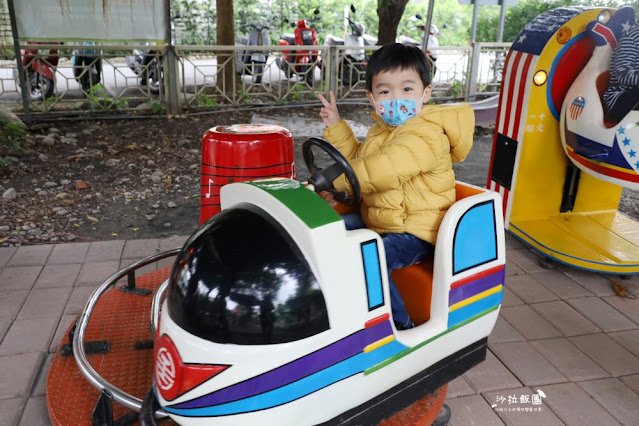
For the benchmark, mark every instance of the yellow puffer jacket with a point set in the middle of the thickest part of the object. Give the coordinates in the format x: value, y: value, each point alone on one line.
x: 406, y: 172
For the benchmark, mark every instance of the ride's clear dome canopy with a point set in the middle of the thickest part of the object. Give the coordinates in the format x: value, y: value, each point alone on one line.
x: 242, y: 279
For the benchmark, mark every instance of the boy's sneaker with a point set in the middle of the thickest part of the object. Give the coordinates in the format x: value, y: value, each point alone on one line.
x: 405, y: 326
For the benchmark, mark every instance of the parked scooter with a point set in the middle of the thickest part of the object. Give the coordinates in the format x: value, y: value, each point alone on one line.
x: 433, y: 42
x: 300, y: 62
x: 148, y: 66
x: 40, y: 73
x: 353, y: 64
x: 249, y: 60
x: 87, y: 66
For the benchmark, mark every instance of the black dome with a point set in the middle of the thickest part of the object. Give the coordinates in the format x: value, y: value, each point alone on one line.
x: 242, y: 279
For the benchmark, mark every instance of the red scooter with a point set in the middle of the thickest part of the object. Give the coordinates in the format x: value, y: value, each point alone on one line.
x: 40, y: 73
x: 300, y: 62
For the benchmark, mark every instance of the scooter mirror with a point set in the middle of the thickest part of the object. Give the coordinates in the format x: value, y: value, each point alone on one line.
x: 286, y: 20
x: 418, y: 16
x: 445, y: 25
x: 353, y: 9
x: 316, y: 12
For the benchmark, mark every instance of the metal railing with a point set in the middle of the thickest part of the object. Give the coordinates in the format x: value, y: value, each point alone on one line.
x: 118, y: 395
x: 193, y: 78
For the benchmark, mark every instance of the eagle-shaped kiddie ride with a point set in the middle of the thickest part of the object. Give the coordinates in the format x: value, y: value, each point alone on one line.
x: 273, y: 313
x: 558, y: 164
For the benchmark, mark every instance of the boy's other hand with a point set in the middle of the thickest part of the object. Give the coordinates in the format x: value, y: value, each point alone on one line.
x: 328, y: 197
x: 329, y: 113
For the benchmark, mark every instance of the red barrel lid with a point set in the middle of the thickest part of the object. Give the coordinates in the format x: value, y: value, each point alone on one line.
x: 250, y: 129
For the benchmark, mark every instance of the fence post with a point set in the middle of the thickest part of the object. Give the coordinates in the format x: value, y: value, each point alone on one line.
x: 474, y: 69
x: 173, y: 90
x: 21, y: 75
x: 332, y: 68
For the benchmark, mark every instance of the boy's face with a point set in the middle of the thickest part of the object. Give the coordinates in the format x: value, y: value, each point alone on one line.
x: 399, y: 84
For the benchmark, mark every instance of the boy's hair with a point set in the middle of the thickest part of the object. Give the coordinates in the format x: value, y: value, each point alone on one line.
x: 391, y: 57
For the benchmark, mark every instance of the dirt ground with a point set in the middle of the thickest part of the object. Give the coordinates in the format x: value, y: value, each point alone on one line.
x: 138, y: 178
x: 107, y: 179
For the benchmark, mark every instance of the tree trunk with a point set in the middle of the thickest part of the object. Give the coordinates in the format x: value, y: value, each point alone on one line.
x: 225, y: 37
x: 390, y: 12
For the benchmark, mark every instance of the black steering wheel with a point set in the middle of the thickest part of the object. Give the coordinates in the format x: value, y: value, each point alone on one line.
x: 322, y: 179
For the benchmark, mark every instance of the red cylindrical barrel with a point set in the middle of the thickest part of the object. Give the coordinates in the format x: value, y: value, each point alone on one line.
x: 242, y: 152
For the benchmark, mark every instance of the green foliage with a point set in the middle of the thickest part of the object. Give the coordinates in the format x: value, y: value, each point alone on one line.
x: 457, y: 89
x: 517, y: 17
x: 11, y: 135
x: 156, y: 107
x: 99, y: 98
x: 202, y: 100
x: 197, y: 22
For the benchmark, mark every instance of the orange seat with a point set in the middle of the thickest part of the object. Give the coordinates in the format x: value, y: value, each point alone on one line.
x: 415, y: 282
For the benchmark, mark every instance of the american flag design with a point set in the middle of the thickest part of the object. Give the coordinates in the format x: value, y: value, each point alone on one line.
x: 512, y: 112
x: 628, y: 140
x: 607, y: 35
x: 519, y: 68
x: 577, y: 107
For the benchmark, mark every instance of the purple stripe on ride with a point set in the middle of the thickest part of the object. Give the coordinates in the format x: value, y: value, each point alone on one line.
x: 296, y: 370
x: 475, y: 287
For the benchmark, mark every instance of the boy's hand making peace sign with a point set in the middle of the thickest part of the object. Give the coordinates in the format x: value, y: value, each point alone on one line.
x: 329, y: 113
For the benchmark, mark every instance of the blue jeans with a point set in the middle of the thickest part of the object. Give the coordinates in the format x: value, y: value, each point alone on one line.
x: 401, y: 250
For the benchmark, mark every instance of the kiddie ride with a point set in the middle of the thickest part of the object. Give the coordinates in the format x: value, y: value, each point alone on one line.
x: 274, y: 314
x: 559, y: 166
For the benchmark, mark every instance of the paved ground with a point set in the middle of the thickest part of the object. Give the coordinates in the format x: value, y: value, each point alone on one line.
x: 561, y: 332
x: 565, y: 349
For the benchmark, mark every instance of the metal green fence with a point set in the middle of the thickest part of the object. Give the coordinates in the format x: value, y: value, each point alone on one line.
x: 194, y: 78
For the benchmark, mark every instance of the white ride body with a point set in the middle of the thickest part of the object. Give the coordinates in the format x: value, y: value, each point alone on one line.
x: 590, y: 122
x: 335, y: 257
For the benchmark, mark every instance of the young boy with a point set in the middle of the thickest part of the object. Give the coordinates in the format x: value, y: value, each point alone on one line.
x: 404, y: 166
x: 622, y: 94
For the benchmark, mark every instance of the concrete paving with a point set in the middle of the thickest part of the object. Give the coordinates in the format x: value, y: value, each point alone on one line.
x: 565, y: 349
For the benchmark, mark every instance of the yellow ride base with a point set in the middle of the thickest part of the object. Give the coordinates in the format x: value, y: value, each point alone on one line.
x: 604, y: 241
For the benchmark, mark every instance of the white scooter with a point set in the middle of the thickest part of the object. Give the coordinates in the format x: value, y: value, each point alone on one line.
x: 253, y: 61
x: 353, y: 63
x: 433, y: 42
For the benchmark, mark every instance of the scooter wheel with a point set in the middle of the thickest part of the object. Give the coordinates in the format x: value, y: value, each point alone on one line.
x: 310, y: 76
x: 40, y: 86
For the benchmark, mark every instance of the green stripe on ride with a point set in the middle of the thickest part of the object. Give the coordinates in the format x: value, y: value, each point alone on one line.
x: 307, y: 205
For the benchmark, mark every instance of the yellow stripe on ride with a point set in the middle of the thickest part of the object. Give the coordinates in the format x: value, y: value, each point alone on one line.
x: 475, y: 298
x: 386, y: 340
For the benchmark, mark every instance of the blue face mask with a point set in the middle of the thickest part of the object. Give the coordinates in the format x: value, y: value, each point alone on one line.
x: 396, y: 111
